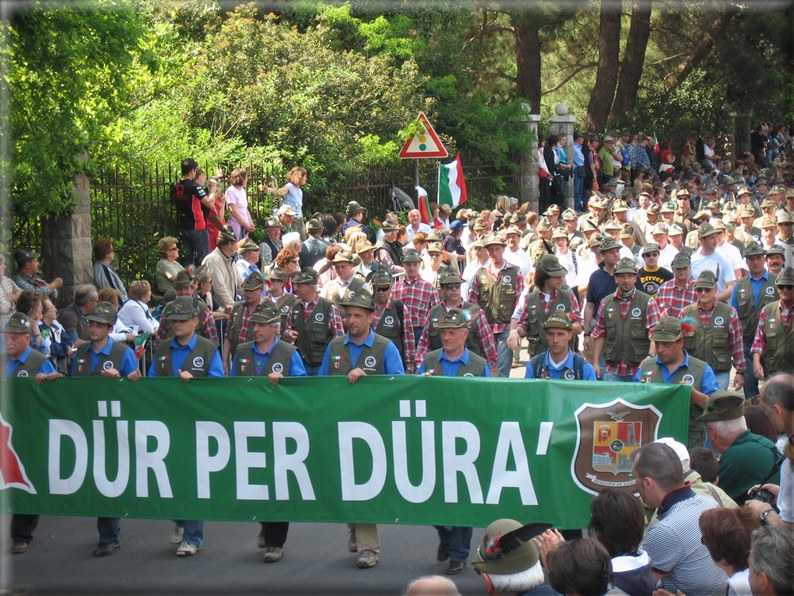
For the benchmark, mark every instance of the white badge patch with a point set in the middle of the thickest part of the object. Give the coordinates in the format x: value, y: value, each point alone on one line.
x: 689, y: 379
x: 468, y: 375
x: 388, y: 320
x: 370, y: 361
x: 719, y: 321
x: 107, y: 366
x: 198, y: 361
x: 285, y: 309
x: 569, y: 374
x: 278, y: 367
x: 770, y: 291
x: 23, y: 373
x: 636, y: 312
x: 319, y: 317
x: 507, y: 279
x: 561, y: 307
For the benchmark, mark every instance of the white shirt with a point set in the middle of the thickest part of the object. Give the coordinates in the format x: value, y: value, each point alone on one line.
x: 423, y: 227
x: 519, y: 259
x: 134, y: 313
x: 239, y: 198
x: 734, y: 255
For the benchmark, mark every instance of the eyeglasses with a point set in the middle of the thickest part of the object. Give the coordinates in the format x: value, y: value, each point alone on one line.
x: 781, y: 287
x: 652, y: 254
x: 173, y: 249
x: 703, y: 290
x: 451, y: 287
x: 384, y: 288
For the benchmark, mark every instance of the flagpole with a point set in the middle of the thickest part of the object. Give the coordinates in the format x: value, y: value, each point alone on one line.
x: 416, y: 176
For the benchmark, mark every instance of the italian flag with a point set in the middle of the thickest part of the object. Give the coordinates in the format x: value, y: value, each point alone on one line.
x: 424, y: 205
x: 451, y: 185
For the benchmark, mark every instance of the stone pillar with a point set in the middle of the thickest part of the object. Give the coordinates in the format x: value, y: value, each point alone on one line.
x: 739, y: 135
x: 529, y: 162
x: 66, y: 243
x: 562, y: 125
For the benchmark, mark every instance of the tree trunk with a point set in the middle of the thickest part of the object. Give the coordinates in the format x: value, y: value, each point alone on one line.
x: 528, y: 62
x: 701, y: 51
x: 634, y: 59
x: 607, y: 77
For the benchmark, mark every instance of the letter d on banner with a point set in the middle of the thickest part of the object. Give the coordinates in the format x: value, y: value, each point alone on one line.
x: 372, y: 487
x: 67, y: 486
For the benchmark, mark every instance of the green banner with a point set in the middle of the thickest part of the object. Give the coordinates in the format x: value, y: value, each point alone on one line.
x: 411, y: 450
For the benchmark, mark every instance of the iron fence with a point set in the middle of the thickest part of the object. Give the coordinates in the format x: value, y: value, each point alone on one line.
x: 132, y: 205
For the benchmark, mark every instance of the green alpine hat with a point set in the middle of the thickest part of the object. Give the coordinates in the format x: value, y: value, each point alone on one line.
x: 626, y: 265
x: 278, y: 274
x: 361, y: 298
x: 495, y: 561
x: 650, y: 247
x: 551, y: 266
x: 608, y: 243
x: 558, y: 320
x: 254, y: 281
x: 267, y: 312
x: 495, y: 238
x: 307, y: 276
x: 681, y: 261
x: 667, y: 329
x: 182, y: 280
x: 343, y: 256
x: 752, y: 249
x: 410, y: 255
x: 786, y: 277
x: 353, y: 208
x: 181, y: 309
x: 389, y: 227
x: 18, y: 322
x: 246, y: 245
x: 454, y: 319
x: 313, y: 226
x: 723, y: 405
x: 103, y: 312
x: 448, y: 277
x: 706, y: 229
x: 706, y: 279
x: 226, y: 235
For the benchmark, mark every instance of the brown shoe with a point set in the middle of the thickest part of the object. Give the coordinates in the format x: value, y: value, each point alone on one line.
x: 367, y: 559
x: 19, y: 547
x: 352, y: 545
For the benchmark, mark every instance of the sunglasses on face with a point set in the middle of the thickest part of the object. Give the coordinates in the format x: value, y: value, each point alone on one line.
x: 785, y: 287
x: 384, y: 288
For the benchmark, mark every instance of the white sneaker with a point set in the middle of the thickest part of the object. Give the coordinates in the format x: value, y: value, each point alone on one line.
x: 176, y: 535
x: 186, y: 549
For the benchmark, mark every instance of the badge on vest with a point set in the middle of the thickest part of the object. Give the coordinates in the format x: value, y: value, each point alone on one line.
x: 561, y: 307
x: 243, y: 363
x: 688, y: 379
x: 319, y: 317
x: 107, y: 366
x: 80, y: 362
x: 636, y: 312
x: 22, y: 373
x: 198, y: 362
x: 284, y: 309
x: 569, y: 374
x: 507, y: 279
x: 388, y: 321
x: 719, y: 321
x: 770, y: 291
x: 278, y: 367
x: 336, y: 360
x: 370, y: 361
x: 468, y: 375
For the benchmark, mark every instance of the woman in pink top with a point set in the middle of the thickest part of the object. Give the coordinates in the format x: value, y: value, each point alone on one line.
x: 237, y: 201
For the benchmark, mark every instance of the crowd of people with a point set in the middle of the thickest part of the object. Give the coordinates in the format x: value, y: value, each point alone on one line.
x: 682, y: 277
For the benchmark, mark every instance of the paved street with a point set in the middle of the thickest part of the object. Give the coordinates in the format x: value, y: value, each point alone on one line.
x: 316, y: 561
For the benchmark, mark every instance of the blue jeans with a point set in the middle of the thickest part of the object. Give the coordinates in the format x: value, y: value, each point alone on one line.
x: 195, y: 246
x: 459, y: 540
x: 312, y: 371
x: 418, y: 334
x: 578, y: 190
x: 612, y: 377
x: 504, y: 354
x: 194, y: 531
x: 108, y: 528
x: 750, y: 382
x: 723, y: 380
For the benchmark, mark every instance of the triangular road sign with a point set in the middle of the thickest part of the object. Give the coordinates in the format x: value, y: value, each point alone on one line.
x: 426, y: 144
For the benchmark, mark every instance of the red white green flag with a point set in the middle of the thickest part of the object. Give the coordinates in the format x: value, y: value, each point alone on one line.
x: 451, y: 185
x: 424, y: 205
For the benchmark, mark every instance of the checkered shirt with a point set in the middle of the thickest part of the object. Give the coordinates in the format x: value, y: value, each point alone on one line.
x: 336, y: 319
x: 759, y: 343
x: 243, y: 337
x: 312, y: 250
x: 418, y: 297
x: 409, y: 342
x: 28, y: 282
x: 474, y: 292
x: 653, y: 315
x: 672, y: 299
x: 735, y: 337
x: 484, y: 334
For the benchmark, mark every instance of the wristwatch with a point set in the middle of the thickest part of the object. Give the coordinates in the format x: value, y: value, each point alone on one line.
x: 764, y: 515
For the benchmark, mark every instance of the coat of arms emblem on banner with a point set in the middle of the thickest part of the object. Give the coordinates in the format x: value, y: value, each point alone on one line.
x: 606, y: 436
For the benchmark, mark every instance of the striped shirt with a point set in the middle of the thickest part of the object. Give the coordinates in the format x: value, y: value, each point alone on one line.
x: 672, y: 300
x: 418, y: 297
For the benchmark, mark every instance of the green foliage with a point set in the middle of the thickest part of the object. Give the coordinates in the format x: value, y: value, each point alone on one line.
x: 67, y: 70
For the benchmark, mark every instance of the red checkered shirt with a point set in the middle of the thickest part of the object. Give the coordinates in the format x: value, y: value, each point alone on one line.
x: 734, y: 334
x: 336, y: 319
x: 409, y: 342
x: 547, y: 302
x: 672, y: 299
x: 484, y: 334
x: 759, y: 343
x: 207, y: 322
x: 243, y: 337
x: 653, y: 315
x: 474, y: 292
x: 418, y: 297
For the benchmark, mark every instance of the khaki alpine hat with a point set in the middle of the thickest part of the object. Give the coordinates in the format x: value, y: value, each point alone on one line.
x: 267, y: 312
x: 626, y: 265
x: 723, y: 405
x: 667, y: 329
x: 706, y: 279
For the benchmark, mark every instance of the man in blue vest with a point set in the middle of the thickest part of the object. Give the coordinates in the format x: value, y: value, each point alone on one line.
x: 357, y: 354
x: 186, y: 356
x: 22, y: 361
x: 454, y: 360
x: 559, y: 361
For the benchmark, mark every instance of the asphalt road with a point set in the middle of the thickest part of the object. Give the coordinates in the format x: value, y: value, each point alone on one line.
x: 316, y: 561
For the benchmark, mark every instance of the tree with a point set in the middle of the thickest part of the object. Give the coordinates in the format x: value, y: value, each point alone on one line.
x: 607, y: 76
x: 633, y: 59
x: 66, y: 69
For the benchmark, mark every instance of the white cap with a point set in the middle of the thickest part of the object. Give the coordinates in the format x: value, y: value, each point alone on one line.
x: 680, y: 450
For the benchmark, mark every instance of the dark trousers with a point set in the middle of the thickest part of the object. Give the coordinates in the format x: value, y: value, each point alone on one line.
x: 22, y: 527
x: 275, y: 533
x: 108, y: 528
x: 195, y: 246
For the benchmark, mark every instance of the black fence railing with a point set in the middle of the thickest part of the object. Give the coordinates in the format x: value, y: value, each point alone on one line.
x: 132, y: 205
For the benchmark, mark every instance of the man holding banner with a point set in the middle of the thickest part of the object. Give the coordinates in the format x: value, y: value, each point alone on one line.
x: 189, y: 356
x: 357, y: 354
